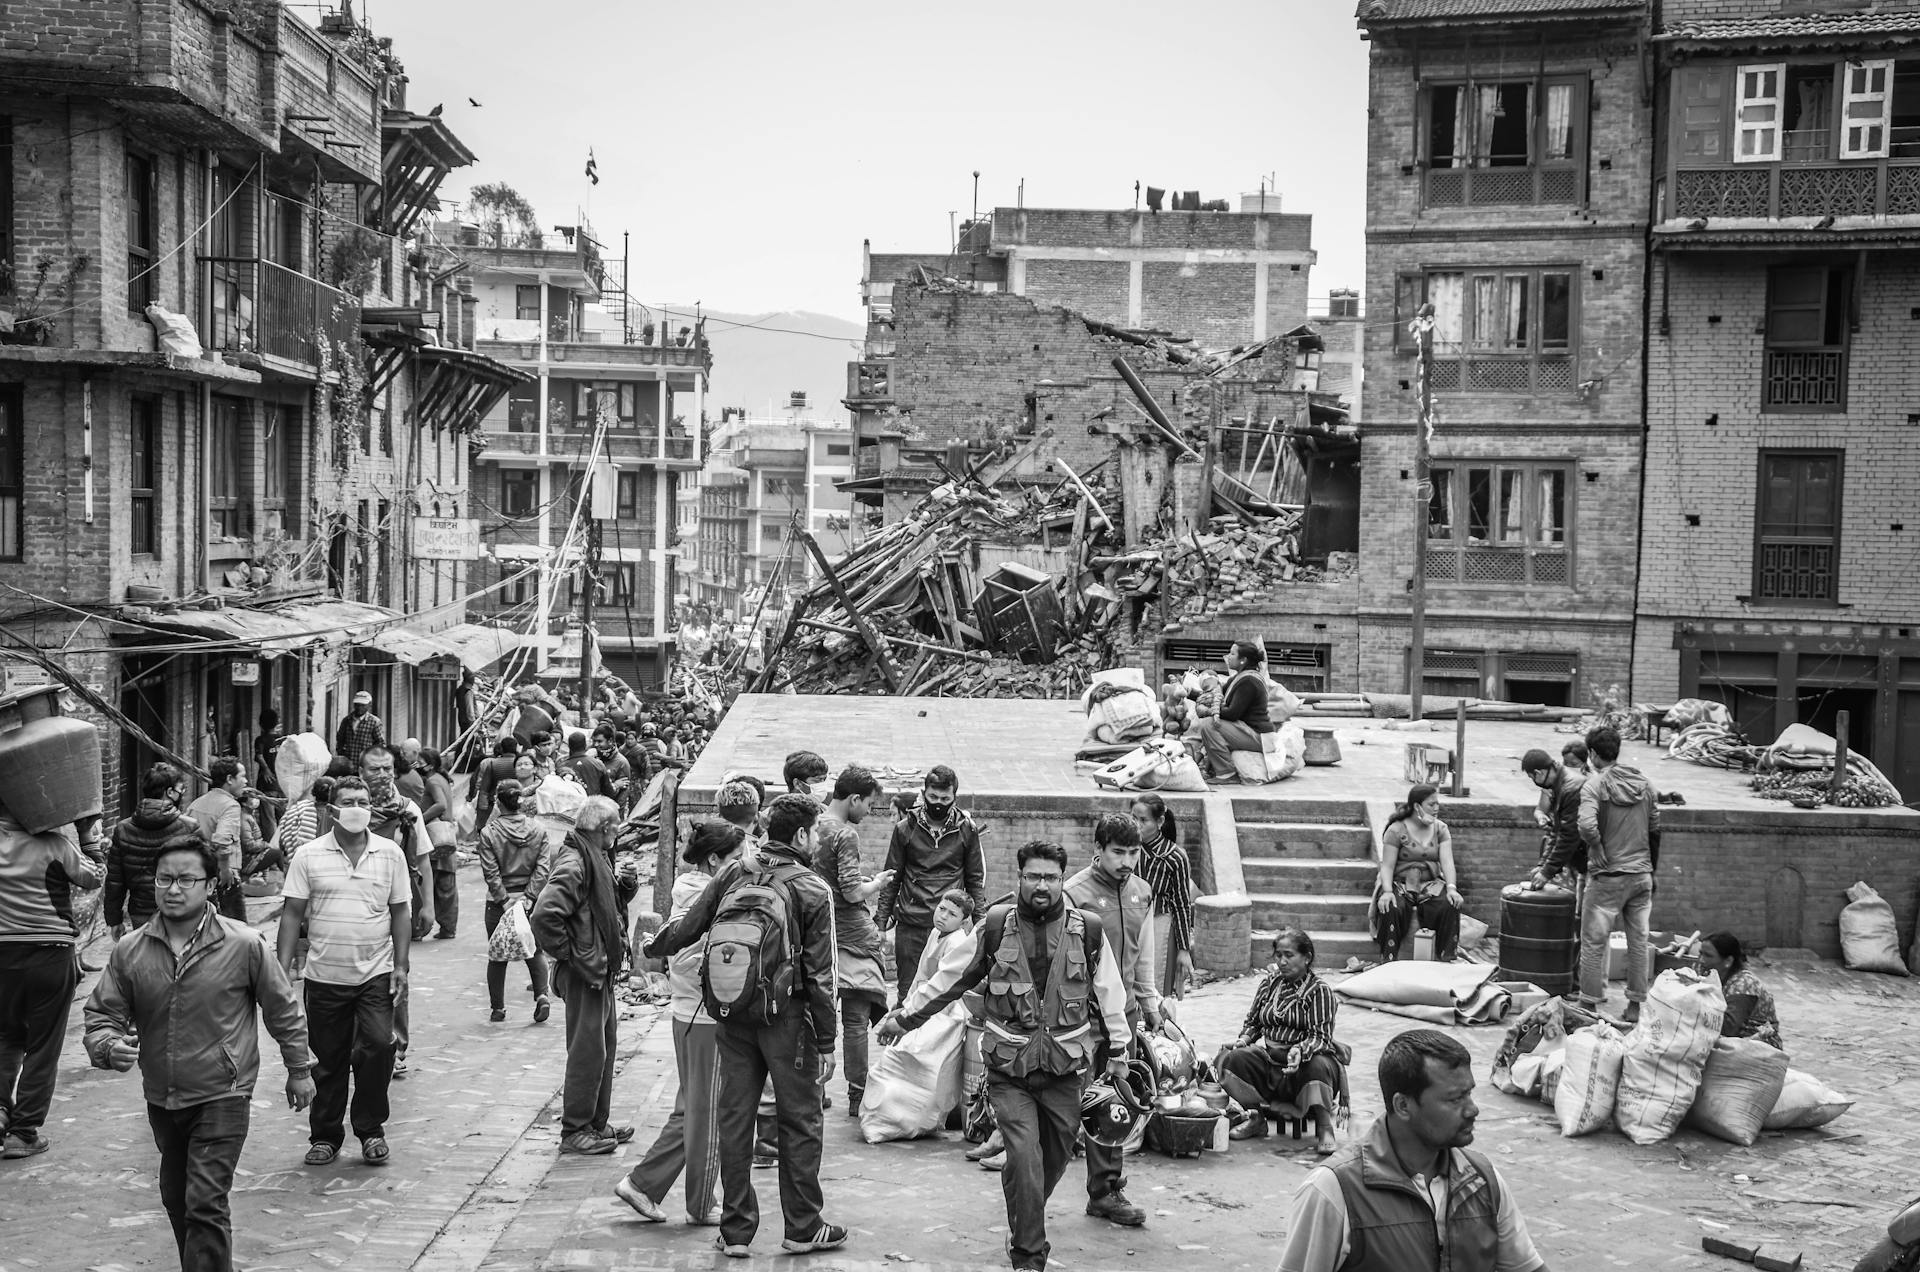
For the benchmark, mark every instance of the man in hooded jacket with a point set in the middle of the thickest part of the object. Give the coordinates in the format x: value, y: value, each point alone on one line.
x: 1620, y: 825
x: 935, y: 847
x: 156, y: 827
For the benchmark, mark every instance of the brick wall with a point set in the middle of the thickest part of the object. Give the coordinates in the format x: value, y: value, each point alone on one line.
x: 1677, y: 11
x: 1098, y: 289
x: 1712, y: 365
x: 1196, y: 231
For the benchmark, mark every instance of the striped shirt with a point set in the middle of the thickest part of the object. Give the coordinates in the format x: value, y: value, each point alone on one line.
x: 1164, y: 865
x: 349, y: 925
x: 1300, y: 1014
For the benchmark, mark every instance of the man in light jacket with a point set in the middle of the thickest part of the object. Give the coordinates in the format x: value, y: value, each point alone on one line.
x: 1620, y: 825
x: 220, y: 817
x: 181, y: 996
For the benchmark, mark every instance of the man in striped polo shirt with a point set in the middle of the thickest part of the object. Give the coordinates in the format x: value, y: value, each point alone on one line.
x: 350, y: 887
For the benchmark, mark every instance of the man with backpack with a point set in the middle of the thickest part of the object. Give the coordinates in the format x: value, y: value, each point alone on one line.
x: 768, y: 981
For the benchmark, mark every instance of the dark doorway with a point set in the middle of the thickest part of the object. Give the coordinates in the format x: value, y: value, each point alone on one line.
x: 1547, y: 693
x: 1821, y: 708
x: 143, y: 699
x: 1750, y: 705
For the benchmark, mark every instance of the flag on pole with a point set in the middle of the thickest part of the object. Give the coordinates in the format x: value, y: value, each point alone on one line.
x: 593, y: 167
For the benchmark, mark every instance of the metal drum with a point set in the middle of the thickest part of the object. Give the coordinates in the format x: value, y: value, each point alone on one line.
x: 1539, y: 937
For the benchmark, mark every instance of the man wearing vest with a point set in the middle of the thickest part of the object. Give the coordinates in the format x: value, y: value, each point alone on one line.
x: 1123, y: 901
x: 795, y: 1047
x: 1413, y: 1197
x: 1049, y: 973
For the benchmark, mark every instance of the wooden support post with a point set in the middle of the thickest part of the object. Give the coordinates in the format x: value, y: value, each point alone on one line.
x: 1081, y: 486
x: 667, y: 848
x: 888, y: 671
x: 1460, y: 749
x: 1841, y: 721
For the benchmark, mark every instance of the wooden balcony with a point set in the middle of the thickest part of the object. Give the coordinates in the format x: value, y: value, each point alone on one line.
x: 1781, y: 191
x: 1481, y: 187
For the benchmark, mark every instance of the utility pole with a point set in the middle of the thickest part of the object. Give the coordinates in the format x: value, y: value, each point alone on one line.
x: 587, y: 650
x: 1422, y: 497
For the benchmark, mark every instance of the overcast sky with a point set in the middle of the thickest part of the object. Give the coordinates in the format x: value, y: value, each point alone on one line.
x: 750, y: 145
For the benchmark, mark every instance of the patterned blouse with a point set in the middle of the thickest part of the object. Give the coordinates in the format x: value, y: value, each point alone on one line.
x: 1762, y: 1023
x: 1285, y: 1014
x: 1163, y: 864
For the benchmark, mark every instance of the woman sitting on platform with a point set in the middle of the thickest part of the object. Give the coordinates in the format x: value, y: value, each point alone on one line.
x: 1286, y: 1063
x: 1750, y: 1011
x: 1242, y: 718
x: 1417, y: 878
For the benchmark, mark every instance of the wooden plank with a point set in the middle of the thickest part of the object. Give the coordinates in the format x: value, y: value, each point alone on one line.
x: 872, y: 638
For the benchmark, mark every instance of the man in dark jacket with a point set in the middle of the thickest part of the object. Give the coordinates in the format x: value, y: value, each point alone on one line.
x: 934, y: 848
x: 576, y: 922
x: 490, y: 772
x: 157, y: 826
x: 1620, y: 825
x: 795, y: 1051
x: 585, y: 768
x: 1561, y: 849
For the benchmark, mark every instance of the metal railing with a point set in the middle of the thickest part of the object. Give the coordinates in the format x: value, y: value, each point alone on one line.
x: 264, y: 308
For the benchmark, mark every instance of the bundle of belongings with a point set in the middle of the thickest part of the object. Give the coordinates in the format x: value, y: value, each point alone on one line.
x: 1190, y: 1110
x: 1439, y: 993
x: 1673, y: 1068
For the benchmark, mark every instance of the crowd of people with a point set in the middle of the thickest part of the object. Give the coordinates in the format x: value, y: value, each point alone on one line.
x: 776, y: 952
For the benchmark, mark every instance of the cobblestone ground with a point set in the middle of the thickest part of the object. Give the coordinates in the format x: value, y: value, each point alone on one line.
x: 476, y: 1183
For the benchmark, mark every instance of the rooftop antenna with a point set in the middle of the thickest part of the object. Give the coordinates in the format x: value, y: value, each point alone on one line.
x: 973, y: 257
x: 1020, y: 199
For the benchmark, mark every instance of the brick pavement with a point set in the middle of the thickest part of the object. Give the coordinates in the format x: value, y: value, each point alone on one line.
x: 476, y: 1182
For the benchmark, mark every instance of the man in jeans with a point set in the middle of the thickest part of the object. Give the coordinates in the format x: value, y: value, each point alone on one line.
x: 220, y: 817
x: 795, y: 1051
x: 1620, y: 825
x: 576, y: 922
x: 188, y: 985
x: 38, y: 877
x: 350, y: 888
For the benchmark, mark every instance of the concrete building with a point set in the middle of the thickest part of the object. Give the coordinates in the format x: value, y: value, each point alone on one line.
x: 1779, y: 567
x: 762, y: 478
x: 202, y: 537
x: 632, y: 412
x: 1507, y: 185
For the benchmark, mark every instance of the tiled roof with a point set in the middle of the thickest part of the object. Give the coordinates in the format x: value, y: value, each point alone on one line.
x: 1468, y: 10
x: 1836, y: 25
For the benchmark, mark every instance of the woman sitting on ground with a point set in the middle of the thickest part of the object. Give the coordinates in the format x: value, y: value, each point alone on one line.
x: 1242, y: 718
x: 1286, y: 1055
x: 1417, y: 878
x: 1750, y: 1011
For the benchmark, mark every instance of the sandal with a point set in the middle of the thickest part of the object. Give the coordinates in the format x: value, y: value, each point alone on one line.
x: 321, y: 1154
x: 374, y: 1152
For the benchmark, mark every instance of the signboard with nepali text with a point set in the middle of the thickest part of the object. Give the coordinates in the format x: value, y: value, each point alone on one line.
x: 446, y: 538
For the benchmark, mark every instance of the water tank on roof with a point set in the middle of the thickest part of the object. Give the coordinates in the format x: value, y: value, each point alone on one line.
x: 797, y: 400
x: 1267, y: 202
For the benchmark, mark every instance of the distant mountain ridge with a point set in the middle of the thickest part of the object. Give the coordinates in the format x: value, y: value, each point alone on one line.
x: 759, y: 359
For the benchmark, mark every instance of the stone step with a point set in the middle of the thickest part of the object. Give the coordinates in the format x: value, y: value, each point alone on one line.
x: 1331, y: 950
x: 1310, y: 911
x: 1304, y: 839
x: 1324, y: 875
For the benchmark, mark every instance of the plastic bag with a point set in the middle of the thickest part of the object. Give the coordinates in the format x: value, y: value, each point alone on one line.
x: 1589, y: 1079
x: 1805, y: 1102
x: 512, y: 939
x: 1869, y: 937
x: 302, y: 757
x: 913, y: 1083
x: 1666, y: 1053
x: 1281, y: 755
x: 1738, y: 1088
x: 176, y: 333
x: 1552, y: 1065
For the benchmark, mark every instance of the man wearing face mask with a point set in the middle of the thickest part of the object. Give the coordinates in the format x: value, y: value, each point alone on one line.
x: 1052, y: 972
x: 576, y: 922
x: 1123, y: 901
x: 349, y: 887
x: 805, y: 773
x: 934, y: 848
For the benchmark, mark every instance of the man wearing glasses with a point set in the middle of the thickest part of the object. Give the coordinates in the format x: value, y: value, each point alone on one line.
x: 181, y: 997
x: 350, y: 888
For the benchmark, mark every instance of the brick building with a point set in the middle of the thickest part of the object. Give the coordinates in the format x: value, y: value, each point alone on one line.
x: 1001, y: 346
x: 1507, y: 185
x: 201, y: 536
x: 627, y: 406
x: 1779, y: 566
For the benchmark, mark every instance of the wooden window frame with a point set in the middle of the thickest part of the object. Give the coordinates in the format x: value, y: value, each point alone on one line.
x: 1579, y: 90
x: 13, y: 465
x: 1455, y: 368
x: 1744, y: 102
x: 626, y: 497
x: 6, y: 205
x: 523, y: 408
x: 145, y: 438
x: 519, y: 302
x: 142, y: 227
x: 1762, y: 540
x: 512, y: 479
x: 1868, y: 136
x: 1454, y: 558
x: 1772, y: 402
x: 229, y: 508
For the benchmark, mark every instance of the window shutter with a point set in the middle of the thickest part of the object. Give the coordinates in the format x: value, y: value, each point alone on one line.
x: 1758, y: 97
x: 1863, y: 110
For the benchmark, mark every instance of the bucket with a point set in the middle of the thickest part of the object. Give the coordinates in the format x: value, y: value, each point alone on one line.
x: 50, y: 772
x: 1539, y: 937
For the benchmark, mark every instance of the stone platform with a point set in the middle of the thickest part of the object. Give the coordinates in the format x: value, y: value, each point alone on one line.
x: 1773, y: 874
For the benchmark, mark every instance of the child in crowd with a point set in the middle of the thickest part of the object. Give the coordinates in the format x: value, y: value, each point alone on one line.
x: 947, y: 956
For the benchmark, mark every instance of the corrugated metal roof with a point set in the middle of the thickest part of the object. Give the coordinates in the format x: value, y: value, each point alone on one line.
x: 1435, y: 10
x: 1813, y: 26
x: 475, y: 646
x: 282, y: 629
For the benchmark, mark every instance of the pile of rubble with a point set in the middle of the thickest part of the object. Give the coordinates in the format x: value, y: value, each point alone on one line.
x: 912, y: 611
